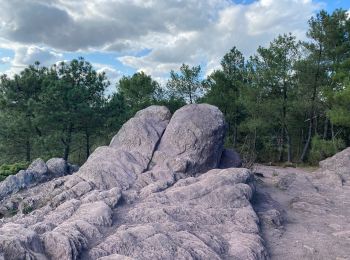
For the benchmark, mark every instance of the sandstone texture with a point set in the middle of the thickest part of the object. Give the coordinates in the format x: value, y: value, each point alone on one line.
x: 164, y: 188
x: 37, y: 172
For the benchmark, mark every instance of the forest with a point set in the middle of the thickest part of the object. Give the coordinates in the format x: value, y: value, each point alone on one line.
x: 289, y: 102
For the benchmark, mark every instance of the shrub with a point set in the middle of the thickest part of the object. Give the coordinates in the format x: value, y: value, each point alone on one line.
x: 322, y: 149
x: 10, y: 169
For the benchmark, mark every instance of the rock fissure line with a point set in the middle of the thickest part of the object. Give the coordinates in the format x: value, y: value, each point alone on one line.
x: 154, y: 150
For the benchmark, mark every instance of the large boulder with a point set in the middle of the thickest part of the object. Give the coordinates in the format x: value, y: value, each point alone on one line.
x: 193, y: 140
x: 334, y: 171
x: 129, y: 152
x: 57, y: 167
x: 339, y: 164
x: 142, y: 132
x: 39, y: 166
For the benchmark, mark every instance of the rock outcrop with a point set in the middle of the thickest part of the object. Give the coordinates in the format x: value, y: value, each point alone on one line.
x: 336, y: 169
x: 156, y: 192
x: 37, y: 172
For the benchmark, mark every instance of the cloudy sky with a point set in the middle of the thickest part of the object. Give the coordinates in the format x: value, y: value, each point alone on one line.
x: 125, y: 36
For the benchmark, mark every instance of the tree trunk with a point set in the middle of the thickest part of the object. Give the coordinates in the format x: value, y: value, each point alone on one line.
x: 28, y: 151
x: 333, y: 136
x: 67, y: 142
x: 28, y: 137
x: 87, y: 142
x: 281, y: 145
x: 312, y: 110
x: 235, y: 133
x: 300, y: 143
x: 284, y: 124
x: 315, y: 125
x: 308, y: 141
x: 325, y: 129
x: 289, y: 144
x: 190, y: 93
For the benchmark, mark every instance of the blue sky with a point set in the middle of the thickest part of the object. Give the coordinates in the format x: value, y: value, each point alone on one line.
x: 121, y: 38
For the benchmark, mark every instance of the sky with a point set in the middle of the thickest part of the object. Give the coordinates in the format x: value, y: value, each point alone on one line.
x: 122, y: 37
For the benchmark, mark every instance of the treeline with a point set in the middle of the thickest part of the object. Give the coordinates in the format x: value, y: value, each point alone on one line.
x: 64, y: 110
x: 289, y: 102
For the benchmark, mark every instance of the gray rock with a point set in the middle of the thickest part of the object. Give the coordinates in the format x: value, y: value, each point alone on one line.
x: 286, y: 181
x: 107, y: 168
x: 18, y: 242
x: 193, y: 140
x: 68, y: 239
x: 39, y: 166
x: 142, y: 132
x: 336, y: 169
x: 14, y: 183
x: 272, y: 217
x: 207, y: 217
x: 300, y: 211
x: 57, y: 167
x: 37, y: 172
x: 129, y: 153
x: 230, y: 159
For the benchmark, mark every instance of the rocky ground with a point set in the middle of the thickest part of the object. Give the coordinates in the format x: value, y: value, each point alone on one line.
x: 305, y: 215
x: 165, y: 188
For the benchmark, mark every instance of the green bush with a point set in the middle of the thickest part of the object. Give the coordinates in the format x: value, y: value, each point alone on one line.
x: 322, y: 149
x: 10, y: 169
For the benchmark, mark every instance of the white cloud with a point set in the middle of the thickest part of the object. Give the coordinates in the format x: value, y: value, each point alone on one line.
x: 5, y: 60
x: 84, y: 24
x: 112, y: 73
x: 175, y: 32
x: 243, y: 26
x: 28, y: 55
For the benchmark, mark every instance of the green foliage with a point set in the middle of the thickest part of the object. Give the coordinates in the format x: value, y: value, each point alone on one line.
x: 18, y: 102
x: 138, y: 91
x: 186, y: 84
x: 321, y: 149
x: 340, y: 113
x: 73, y: 96
x: 172, y: 102
x: 26, y: 209
x: 11, y: 169
x: 224, y: 90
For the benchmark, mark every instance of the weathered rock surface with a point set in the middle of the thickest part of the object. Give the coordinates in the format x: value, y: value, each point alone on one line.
x: 304, y: 214
x: 57, y: 167
x: 37, y: 172
x: 193, y: 140
x: 155, y: 193
x: 142, y: 133
x: 336, y: 169
x: 208, y: 217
